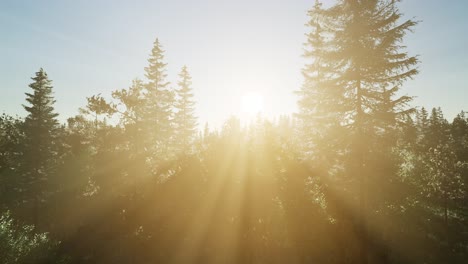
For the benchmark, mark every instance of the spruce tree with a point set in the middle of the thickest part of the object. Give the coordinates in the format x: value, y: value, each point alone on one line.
x: 41, y: 131
x: 41, y: 123
x: 369, y: 41
x: 459, y: 132
x: 159, y: 101
x: 184, y: 119
x: 438, y: 130
x: 364, y: 46
x: 320, y: 97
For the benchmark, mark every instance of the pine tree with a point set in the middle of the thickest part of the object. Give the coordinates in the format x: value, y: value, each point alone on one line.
x: 185, y: 120
x: 159, y: 100
x: 368, y: 42
x: 320, y: 97
x: 442, y: 178
x: 422, y: 120
x: 11, y: 158
x: 409, y: 133
x: 438, y: 129
x: 459, y: 132
x: 364, y: 47
x: 41, y: 131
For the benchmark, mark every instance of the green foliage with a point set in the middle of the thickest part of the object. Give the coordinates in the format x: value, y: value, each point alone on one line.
x: 40, y: 127
x: 11, y: 154
x: 20, y: 244
x: 357, y: 176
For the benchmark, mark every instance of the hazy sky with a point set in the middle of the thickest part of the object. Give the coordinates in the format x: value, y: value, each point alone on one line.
x: 231, y: 48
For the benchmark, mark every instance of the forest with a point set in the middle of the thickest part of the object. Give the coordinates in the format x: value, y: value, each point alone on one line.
x: 359, y: 174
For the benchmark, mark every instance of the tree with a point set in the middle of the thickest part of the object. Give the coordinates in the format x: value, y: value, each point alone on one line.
x: 97, y: 106
x: 138, y: 141
x: 368, y: 43
x: 11, y: 158
x: 442, y: 179
x: 438, y: 130
x: 159, y: 101
x: 20, y: 244
x: 41, y: 139
x: 364, y: 47
x: 422, y: 124
x: 321, y: 104
x: 184, y: 119
x: 459, y: 132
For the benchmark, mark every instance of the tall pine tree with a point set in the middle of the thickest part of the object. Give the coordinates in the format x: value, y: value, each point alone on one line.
x: 185, y: 120
x: 364, y: 45
x: 41, y: 131
x: 320, y: 97
x: 159, y: 101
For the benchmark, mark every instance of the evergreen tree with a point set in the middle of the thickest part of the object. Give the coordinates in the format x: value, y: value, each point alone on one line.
x: 320, y: 97
x: 11, y: 158
x: 409, y: 133
x: 159, y: 101
x: 184, y: 119
x: 364, y: 46
x: 459, y: 132
x: 422, y: 122
x: 368, y: 42
x: 438, y: 130
x: 41, y: 132
x: 442, y: 181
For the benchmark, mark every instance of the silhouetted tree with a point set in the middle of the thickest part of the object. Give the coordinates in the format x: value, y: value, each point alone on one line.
x: 41, y: 141
x: 363, y: 44
x: 11, y: 159
x: 159, y: 102
x: 185, y: 120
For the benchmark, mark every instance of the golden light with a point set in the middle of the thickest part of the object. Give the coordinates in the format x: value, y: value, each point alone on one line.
x: 251, y: 104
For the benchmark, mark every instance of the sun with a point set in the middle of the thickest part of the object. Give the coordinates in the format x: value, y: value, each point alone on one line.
x: 251, y: 104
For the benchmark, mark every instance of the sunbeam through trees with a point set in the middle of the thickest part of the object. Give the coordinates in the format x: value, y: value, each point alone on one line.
x: 358, y: 174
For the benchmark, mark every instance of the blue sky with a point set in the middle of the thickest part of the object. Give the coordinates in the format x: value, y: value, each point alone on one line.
x: 231, y: 48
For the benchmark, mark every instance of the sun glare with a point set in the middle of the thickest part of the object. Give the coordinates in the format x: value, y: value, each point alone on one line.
x: 251, y: 104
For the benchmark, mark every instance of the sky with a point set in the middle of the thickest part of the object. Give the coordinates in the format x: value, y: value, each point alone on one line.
x: 231, y: 48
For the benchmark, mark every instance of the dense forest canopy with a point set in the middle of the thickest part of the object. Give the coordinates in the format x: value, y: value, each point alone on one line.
x: 358, y: 175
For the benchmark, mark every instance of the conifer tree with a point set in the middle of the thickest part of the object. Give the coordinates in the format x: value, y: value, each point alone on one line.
x: 41, y: 122
x: 459, y: 132
x: 11, y: 158
x: 41, y: 131
x: 442, y: 180
x: 422, y: 120
x: 159, y: 99
x: 184, y: 119
x: 320, y: 97
x: 438, y: 129
x: 370, y: 66
x: 368, y: 42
